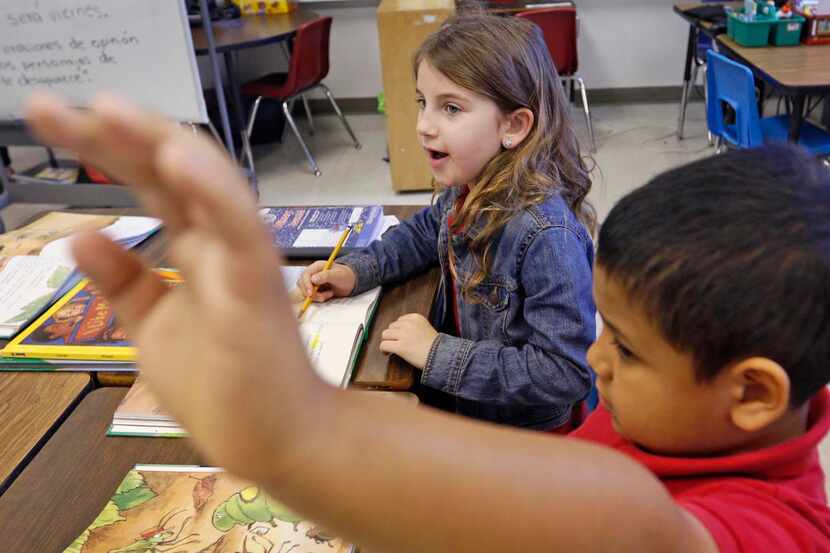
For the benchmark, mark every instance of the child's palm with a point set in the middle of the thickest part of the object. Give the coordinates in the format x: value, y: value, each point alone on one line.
x: 215, y: 239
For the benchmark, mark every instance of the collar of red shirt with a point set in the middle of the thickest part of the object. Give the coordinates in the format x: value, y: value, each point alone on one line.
x: 785, y: 459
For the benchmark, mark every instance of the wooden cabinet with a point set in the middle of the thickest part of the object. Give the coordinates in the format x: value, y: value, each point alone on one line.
x: 402, y: 26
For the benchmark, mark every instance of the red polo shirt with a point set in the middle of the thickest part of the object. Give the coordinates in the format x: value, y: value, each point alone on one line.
x: 767, y: 500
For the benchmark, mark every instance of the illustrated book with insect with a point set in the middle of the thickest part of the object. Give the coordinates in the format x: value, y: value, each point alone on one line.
x: 80, y: 326
x: 191, y: 509
x: 310, y: 232
x: 36, y: 265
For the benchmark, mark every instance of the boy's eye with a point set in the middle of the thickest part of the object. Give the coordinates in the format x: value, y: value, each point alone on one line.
x: 624, y: 352
x: 421, y: 102
x: 452, y: 109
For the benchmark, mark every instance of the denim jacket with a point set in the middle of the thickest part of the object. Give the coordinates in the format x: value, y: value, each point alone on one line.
x: 521, y: 356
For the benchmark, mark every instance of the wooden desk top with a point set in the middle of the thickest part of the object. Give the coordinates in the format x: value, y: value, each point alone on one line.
x: 68, y: 483
x: 251, y: 30
x: 796, y: 68
x: 375, y: 370
x: 32, y: 405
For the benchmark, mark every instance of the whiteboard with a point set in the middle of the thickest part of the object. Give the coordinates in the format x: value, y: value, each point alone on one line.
x: 139, y: 49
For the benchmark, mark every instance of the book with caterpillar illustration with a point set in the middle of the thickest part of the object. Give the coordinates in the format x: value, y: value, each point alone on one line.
x: 191, y: 509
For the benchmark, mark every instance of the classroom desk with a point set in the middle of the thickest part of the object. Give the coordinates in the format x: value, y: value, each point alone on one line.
x: 248, y: 31
x: 696, y: 26
x: 32, y: 406
x: 375, y: 370
x: 795, y: 71
x: 68, y: 483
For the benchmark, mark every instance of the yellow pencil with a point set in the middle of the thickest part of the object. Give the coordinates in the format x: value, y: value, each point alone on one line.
x: 327, y: 266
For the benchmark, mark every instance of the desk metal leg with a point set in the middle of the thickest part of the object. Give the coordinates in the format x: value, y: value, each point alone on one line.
x: 796, y: 117
x: 687, y: 75
x: 762, y: 92
x: 238, y: 115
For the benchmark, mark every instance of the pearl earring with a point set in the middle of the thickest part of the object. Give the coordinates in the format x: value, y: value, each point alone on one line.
x: 508, y: 142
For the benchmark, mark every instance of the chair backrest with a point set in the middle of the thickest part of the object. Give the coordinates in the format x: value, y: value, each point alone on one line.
x: 731, y: 83
x: 310, y: 55
x: 559, y: 29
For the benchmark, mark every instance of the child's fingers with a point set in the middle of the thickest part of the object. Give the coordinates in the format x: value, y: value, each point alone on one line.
x: 198, y: 175
x: 412, y: 317
x: 323, y: 295
x: 304, y: 282
x: 322, y: 277
x: 390, y: 346
x: 391, y: 334
x: 131, y: 287
x: 295, y: 295
x: 99, y: 135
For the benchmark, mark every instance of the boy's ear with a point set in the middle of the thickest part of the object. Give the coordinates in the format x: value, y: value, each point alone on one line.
x: 516, y: 127
x: 760, y: 390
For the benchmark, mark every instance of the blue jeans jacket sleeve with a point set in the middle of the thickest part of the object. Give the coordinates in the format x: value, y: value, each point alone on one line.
x: 402, y: 252
x: 549, y: 366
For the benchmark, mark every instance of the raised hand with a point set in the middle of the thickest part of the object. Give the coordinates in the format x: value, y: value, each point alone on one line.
x: 205, y: 345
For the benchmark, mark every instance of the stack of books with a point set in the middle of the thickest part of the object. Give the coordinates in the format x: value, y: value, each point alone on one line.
x: 37, y: 271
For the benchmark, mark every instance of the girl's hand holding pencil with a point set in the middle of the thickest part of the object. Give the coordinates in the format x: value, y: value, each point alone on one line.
x: 321, y: 284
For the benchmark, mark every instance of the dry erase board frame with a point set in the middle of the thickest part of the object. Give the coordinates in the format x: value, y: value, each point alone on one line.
x: 139, y: 49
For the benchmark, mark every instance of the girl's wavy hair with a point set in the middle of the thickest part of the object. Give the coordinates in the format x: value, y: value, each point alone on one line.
x: 506, y: 60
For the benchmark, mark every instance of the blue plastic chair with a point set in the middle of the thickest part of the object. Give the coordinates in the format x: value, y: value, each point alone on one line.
x: 731, y: 83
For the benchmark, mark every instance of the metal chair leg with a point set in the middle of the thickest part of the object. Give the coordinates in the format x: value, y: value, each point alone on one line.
x: 287, y: 111
x: 308, y: 114
x: 587, y: 113
x: 340, y: 114
x: 250, y: 126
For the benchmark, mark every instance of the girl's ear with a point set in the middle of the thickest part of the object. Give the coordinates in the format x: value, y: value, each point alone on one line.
x: 516, y: 126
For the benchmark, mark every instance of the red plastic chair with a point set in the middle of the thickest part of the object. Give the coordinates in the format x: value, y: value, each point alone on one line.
x: 308, y: 66
x: 559, y: 27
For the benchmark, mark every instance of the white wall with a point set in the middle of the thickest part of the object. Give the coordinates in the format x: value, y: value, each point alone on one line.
x: 623, y: 43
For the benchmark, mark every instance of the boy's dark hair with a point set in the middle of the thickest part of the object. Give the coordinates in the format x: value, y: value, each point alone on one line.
x: 730, y: 257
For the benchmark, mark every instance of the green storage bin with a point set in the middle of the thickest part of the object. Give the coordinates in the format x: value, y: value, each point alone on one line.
x: 749, y: 33
x: 787, y: 32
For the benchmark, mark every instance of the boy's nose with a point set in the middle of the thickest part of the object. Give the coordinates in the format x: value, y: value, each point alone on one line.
x: 598, y: 362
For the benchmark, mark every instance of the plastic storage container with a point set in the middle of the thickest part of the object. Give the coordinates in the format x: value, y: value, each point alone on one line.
x: 787, y: 32
x: 752, y: 33
x: 764, y: 9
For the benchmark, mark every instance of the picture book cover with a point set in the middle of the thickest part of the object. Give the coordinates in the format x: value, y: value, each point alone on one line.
x: 189, y: 509
x: 316, y: 229
x: 81, y: 325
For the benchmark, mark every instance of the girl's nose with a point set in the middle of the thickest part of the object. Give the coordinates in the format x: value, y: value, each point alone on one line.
x: 425, y: 127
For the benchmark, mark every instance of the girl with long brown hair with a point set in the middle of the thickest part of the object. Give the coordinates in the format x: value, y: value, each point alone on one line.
x: 509, y: 227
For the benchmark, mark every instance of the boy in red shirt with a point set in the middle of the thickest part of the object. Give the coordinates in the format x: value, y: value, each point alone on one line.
x: 714, y: 284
